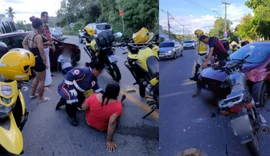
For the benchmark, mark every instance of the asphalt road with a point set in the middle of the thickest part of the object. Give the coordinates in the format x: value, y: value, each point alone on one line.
x: 187, y: 122
x: 48, y: 133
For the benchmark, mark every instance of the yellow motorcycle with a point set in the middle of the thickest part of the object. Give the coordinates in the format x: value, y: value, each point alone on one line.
x: 15, y: 67
x: 101, y: 48
x: 143, y: 63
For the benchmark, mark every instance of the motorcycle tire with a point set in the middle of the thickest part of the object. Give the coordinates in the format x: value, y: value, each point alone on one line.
x: 254, y: 151
x: 260, y: 93
x: 142, y: 90
x: 115, y: 72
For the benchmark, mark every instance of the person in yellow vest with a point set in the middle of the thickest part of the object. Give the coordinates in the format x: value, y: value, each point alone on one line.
x: 202, y: 53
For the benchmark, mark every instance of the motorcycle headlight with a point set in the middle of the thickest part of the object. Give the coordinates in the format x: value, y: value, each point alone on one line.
x: 5, y: 111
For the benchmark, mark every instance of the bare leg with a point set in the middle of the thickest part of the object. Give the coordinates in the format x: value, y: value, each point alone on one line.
x: 41, y: 81
x: 34, y: 88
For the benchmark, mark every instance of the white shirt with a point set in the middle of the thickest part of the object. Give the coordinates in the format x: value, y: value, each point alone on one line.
x: 208, y: 48
x: 65, y: 61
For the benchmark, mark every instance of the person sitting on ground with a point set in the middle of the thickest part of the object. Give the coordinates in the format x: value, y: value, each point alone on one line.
x: 103, y: 111
x: 65, y: 60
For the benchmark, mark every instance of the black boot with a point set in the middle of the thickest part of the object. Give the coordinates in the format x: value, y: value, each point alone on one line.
x: 71, y: 111
x: 62, y: 102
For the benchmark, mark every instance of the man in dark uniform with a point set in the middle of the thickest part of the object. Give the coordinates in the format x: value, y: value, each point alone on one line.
x: 77, y: 81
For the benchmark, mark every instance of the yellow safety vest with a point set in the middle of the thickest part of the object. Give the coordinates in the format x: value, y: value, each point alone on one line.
x: 202, y: 48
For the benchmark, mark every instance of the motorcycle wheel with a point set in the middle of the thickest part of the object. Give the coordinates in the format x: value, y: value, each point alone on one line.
x: 260, y: 93
x: 115, y: 72
x: 253, y: 147
x: 142, y: 90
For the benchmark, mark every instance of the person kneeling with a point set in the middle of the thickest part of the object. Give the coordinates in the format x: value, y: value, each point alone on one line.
x: 103, y: 112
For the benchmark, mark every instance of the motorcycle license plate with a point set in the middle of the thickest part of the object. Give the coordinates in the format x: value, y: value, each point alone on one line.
x: 241, y: 125
x: 112, y: 58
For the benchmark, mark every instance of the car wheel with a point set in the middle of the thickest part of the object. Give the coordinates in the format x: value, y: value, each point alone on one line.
x: 174, y: 56
x: 260, y: 93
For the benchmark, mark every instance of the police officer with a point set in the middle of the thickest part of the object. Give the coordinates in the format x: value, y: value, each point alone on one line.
x: 77, y: 81
x: 202, y: 53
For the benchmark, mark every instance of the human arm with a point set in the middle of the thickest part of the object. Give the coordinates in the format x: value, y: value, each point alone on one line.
x: 73, y: 75
x: 85, y: 105
x: 111, y: 146
x: 96, y: 87
x: 41, y: 49
x: 25, y: 43
x: 205, y: 63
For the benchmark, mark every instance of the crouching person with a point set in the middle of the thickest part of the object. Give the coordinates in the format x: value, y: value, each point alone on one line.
x: 77, y: 81
x: 103, y: 111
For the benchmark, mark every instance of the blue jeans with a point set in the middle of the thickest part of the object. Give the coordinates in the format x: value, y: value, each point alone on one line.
x: 64, y: 71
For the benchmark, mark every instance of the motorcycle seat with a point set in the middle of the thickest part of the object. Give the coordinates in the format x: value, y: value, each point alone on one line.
x: 153, y: 66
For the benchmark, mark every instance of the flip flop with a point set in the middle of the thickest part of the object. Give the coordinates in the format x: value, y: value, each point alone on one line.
x: 45, y: 100
x: 32, y: 97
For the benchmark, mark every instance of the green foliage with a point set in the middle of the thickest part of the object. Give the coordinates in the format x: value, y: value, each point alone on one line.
x: 10, y: 12
x: 137, y: 14
x: 246, y: 29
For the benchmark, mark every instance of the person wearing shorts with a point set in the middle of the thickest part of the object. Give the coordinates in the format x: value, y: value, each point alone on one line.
x: 34, y: 43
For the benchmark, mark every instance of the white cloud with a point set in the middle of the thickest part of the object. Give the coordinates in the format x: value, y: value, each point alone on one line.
x: 205, y: 22
x: 26, y: 8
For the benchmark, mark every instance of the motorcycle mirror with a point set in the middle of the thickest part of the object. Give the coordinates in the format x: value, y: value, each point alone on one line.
x: 118, y: 34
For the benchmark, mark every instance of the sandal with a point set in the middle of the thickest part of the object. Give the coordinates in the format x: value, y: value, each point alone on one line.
x: 32, y: 97
x: 45, y: 100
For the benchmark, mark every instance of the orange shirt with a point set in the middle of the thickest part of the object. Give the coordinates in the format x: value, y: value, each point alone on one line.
x: 98, y: 116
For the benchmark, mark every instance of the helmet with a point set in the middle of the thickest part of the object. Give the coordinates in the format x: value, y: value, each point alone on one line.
x: 2, y: 44
x: 142, y: 36
x: 16, y: 64
x: 89, y: 30
x: 198, y: 33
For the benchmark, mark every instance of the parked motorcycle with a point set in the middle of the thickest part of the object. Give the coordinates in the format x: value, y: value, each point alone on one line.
x: 246, y: 121
x: 143, y: 63
x: 13, y: 112
x: 101, y: 48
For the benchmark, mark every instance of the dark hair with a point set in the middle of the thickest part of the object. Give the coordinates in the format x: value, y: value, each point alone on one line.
x: 96, y: 64
x: 43, y: 13
x: 36, y: 22
x: 203, y: 37
x: 244, y: 43
x: 111, y: 92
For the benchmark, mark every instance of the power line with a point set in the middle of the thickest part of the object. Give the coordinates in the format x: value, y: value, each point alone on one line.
x: 199, y: 5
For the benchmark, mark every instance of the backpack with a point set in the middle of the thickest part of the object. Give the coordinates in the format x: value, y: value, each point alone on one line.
x: 105, y: 39
x: 226, y: 44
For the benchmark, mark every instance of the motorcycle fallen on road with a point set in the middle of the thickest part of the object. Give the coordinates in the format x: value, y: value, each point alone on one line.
x: 247, y: 123
x: 101, y: 48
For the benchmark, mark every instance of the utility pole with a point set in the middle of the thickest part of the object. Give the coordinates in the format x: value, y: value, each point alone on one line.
x: 225, y: 27
x: 168, y: 16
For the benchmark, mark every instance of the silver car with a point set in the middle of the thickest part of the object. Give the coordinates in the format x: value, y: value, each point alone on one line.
x: 189, y: 45
x: 170, y: 49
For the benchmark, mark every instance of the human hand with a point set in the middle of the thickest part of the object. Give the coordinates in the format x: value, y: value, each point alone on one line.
x: 204, y: 65
x: 53, y: 47
x: 111, y: 146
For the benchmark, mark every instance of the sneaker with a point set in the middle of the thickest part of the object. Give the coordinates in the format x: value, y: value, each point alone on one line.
x: 73, y: 121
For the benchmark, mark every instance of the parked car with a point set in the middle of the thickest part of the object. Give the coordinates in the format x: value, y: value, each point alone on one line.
x: 57, y: 32
x: 189, y: 44
x: 170, y: 49
x: 99, y: 27
x: 256, y: 67
x: 14, y: 40
x: 81, y: 36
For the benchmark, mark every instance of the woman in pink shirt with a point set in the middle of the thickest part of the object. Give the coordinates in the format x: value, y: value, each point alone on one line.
x: 103, y: 110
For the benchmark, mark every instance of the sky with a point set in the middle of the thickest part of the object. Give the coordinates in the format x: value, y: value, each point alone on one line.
x: 26, y: 8
x: 199, y: 14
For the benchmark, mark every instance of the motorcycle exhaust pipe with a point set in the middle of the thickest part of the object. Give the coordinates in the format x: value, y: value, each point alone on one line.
x: 264, y: 129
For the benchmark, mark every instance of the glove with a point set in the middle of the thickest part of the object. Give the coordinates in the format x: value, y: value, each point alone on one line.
x: 73, y: 92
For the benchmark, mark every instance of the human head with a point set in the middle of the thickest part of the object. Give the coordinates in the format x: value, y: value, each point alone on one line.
x: 198, y: 33
x: 96, y: 67
x: 37, y: 23
x: 44, y: 17
x: 204, y: 39
x: 67, y: 52
x: 111, y: 91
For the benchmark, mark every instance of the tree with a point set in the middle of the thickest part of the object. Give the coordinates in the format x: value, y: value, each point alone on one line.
x: 10, y: 12
x: 246, y: 29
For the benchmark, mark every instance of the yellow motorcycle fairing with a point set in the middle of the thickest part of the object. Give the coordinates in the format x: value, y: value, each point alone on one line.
x: 92, y: 44
x: 22, y: 102
x: 8, y: 90
x: 142, y: 56
x: 11, y: 139
x: 154, y: 81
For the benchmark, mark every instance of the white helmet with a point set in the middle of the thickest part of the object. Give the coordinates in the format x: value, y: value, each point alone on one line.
x: 2, y: 44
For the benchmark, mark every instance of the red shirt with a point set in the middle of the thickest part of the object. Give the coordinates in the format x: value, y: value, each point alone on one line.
x: 47, y: 32
x: 98, y: 116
